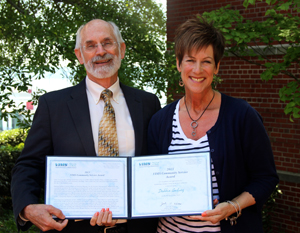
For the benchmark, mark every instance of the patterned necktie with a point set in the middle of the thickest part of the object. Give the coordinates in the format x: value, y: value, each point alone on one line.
x: 107, y: 137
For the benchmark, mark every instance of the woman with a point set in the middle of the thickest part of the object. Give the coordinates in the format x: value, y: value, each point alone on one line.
x: 243, y: 169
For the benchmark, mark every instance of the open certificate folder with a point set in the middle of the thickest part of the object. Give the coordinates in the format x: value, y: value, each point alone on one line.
x: 131, y: 187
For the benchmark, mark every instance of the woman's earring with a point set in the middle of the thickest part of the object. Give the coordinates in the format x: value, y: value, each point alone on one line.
x: 181, y: 82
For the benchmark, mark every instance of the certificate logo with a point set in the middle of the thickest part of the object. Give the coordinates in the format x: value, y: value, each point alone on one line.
x: 65, y: 165
x: 144, y: 164
x: 148, y: 164
x: 61, y: 164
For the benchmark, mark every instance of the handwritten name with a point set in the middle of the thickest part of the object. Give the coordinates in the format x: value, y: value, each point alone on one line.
x: 174, y: 190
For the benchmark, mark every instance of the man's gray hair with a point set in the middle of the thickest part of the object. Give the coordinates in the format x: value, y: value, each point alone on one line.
x: 116, y: 31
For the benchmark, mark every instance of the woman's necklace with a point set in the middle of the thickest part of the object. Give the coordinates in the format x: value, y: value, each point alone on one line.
x: 194, y: 123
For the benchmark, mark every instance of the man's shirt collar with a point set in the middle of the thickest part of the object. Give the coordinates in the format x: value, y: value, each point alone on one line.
x: 96, y: 90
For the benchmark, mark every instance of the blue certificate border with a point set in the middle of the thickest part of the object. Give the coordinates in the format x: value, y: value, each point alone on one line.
x: 144, y: 160
x: 62, y: 160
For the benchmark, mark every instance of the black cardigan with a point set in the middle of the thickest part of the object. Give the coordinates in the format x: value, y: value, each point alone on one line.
x: 241, y: 152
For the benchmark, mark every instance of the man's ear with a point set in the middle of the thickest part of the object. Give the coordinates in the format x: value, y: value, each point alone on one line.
x: 122, y: 49
x: 79, y: 55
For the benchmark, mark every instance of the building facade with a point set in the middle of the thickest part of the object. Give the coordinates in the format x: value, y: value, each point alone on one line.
x: 242, y: 80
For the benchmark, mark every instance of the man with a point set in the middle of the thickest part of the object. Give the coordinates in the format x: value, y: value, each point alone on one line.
x: 67, y: 123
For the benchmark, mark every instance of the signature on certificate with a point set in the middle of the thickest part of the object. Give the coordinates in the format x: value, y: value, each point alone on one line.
x: 163, y: 203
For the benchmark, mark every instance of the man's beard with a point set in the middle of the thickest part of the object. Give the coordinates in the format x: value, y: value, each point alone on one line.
x: 104, y: 71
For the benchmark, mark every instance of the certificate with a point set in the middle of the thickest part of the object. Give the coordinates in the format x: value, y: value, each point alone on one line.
x: 133, y: 187
x: 171, y: 185
x: 81, y: 186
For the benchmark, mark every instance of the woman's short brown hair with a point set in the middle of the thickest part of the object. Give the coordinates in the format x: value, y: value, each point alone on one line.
x: 197, y: 33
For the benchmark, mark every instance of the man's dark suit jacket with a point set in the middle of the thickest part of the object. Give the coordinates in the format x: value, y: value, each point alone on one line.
x: 62, y: 126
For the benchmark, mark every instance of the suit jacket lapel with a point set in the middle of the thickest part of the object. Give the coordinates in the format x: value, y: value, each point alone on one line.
x: 79, y: 109
x: 135, y: 107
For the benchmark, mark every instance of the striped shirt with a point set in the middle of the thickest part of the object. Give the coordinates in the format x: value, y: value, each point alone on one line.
x: 181, y: 144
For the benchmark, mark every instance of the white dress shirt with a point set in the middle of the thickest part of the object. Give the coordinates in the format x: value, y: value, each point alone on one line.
x: 124, y: 125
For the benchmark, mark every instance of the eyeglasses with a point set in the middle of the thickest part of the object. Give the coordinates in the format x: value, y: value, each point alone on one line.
x: 105, y: 45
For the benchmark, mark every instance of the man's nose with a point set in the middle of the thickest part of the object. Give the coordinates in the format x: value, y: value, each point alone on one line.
x: 100, y: 50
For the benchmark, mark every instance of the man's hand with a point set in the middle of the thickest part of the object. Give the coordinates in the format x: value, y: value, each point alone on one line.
x: 41, y: 216
x: 103, y: 218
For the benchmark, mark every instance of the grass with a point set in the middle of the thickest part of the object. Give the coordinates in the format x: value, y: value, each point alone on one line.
x: 8, y: 225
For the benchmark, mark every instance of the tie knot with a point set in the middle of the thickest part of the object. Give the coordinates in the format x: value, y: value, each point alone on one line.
x: 106, y: 94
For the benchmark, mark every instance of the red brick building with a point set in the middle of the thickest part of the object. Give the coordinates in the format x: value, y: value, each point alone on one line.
x: 242, y: 80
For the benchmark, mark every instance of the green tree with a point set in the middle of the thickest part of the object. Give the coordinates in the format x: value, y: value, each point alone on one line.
x: 38, y: 36
x: 254, y: 41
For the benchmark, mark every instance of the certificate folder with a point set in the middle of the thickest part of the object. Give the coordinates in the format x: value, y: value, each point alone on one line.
x: 131, y: 187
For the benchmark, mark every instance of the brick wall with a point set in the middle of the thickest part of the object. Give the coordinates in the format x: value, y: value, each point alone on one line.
x: 242, y: 80
x: 287, y: 215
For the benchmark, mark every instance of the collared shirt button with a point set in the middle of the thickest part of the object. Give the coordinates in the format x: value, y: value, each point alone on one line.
x: 212, y: 150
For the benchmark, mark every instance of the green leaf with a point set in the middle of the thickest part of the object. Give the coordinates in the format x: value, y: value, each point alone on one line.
x: 291, y: 119
x: 285, y: 6
x: 290, y: 105
x: 247, y: 2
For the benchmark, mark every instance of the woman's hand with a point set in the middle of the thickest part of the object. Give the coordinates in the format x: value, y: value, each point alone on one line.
x: 103, y: 218
x: 220, y: 212
x: 225, y: 209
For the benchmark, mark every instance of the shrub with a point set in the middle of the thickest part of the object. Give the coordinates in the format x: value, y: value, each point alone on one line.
x: 269, y: 207
x: 13, y: 137
x: 11, y: 146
